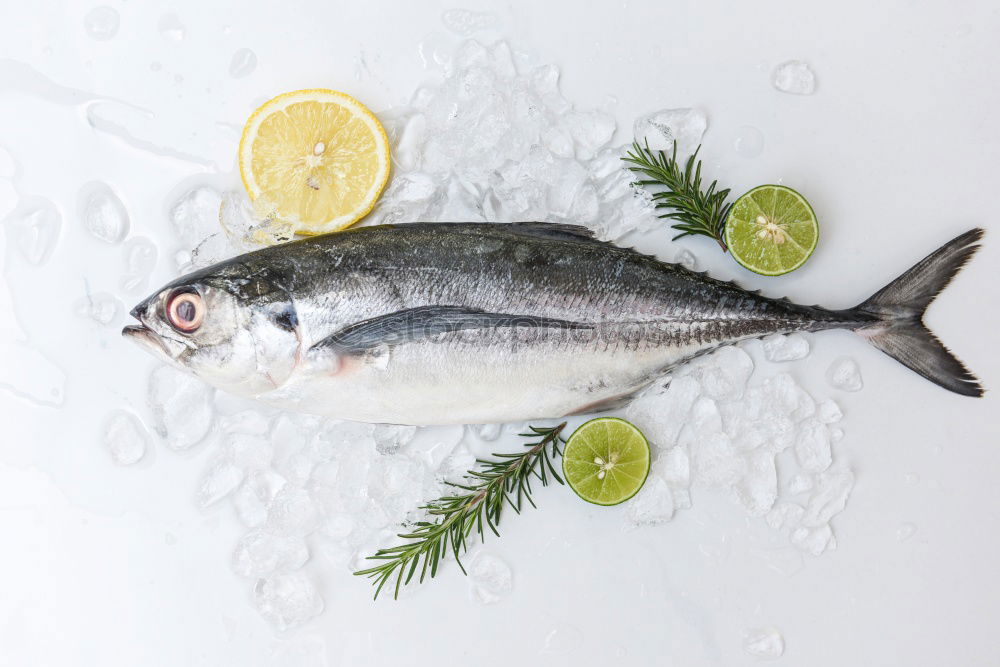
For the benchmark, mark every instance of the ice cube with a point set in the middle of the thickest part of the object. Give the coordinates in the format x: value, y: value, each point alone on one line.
x: 829, y: 412
x: 813, y: 540
x: 390, y: 437
x: 785, y: 516
x: 662, y: 414
x: 458, y: 463
x: 487, y: 432
x: 287, y: 600
x: 829, y: 496
x: 293, y: 513
x: 758, y: 489
x: 181, y: 407
x: 464, y: 22
x: 408, y: 137
x: 249, y: 507
x: 844, y: 374
x: 794, y: 76
x: 219, y: 480
x: 34, y: 228
x: 704, y: 420
x: 785, y: 348
x: 765, y: 643
x: 654, y: 504
x: 251, y: 224
x: 591, y: 131
x: 725, y: 374
x: 662, y: 129
x: 195, y: 215
x: 715, y: 462
x: 489, y: 578
x: 101, y: 307
x: 125, y: 437
x: 800, y: 483
x: 259, y: 553
x: 686, y: 259
x: 564, y: 191
x: 675, y: 469
x: 214, y: 248
x: 248, y: 451
x: 140, y: 260
x: 812, y: 447
x: 254, y: 421
x: 103, y: 213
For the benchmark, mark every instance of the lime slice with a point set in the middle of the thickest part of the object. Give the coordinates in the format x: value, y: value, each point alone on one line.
x: 771, y: 230
x: 606, y: 461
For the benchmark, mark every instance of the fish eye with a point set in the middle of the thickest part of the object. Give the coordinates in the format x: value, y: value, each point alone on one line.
x: 185, y: 311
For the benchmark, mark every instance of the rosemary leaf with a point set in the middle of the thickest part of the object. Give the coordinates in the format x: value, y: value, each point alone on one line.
x: 502, y: 482
x: 696, y: 211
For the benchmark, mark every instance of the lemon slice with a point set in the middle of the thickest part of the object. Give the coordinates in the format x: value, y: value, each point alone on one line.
x: 316, y: 159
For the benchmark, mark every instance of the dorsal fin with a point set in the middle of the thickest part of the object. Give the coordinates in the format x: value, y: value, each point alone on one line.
x: 554, y: 230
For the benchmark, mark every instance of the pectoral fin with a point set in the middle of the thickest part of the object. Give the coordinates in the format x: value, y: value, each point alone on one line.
x: 423, y: 322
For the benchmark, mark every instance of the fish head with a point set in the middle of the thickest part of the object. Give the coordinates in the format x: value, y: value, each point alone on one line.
x: 221, y: 327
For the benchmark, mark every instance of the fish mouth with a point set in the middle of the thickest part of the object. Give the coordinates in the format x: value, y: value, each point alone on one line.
x: 147, y: 338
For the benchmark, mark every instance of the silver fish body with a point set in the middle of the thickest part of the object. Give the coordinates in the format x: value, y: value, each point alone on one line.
x: 436, y: 323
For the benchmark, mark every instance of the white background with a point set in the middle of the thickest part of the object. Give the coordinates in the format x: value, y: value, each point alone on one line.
x: 897, y: 151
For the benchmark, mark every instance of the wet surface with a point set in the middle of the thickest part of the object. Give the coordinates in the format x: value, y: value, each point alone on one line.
x: 119, y: 478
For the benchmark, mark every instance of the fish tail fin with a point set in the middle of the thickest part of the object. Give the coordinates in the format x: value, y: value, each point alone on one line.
x: 899, y: 307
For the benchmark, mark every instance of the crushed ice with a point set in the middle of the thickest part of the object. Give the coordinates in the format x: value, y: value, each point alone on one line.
x: 795, y: 77
x: 712, y: 428
x: 493, y: 139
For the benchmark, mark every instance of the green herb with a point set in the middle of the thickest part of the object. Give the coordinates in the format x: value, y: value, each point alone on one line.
x: 499, y: 483
x: 696, y: 211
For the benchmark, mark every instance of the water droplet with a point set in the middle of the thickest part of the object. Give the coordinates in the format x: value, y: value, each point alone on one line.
x: 140, y: 259
x: 36, y: 226
x: 562, y: 639
x: 766, y: 643
x: 905, y: 531
x: 170, y: 27
x: 911, y: 478
x: 103, y: 213
x: 155, y: 66
x: 101, y: 23
x: 489, y: 578
x: 243, y: 64
x: 749, y: 142
x: 125, y: 437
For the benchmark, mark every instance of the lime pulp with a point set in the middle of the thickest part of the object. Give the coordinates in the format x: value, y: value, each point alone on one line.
x: 606, y: 461
x: 771, y: 230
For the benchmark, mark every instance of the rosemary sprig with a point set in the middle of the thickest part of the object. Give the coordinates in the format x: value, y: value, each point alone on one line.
x: 696, y: 211
x: 498, y: 483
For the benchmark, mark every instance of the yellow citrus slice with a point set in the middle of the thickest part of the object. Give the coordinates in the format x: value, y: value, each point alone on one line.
x: 316, y: 159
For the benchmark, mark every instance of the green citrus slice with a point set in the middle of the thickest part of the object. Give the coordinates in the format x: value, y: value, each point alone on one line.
x: 606, y: 461
x: 771, y: 230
